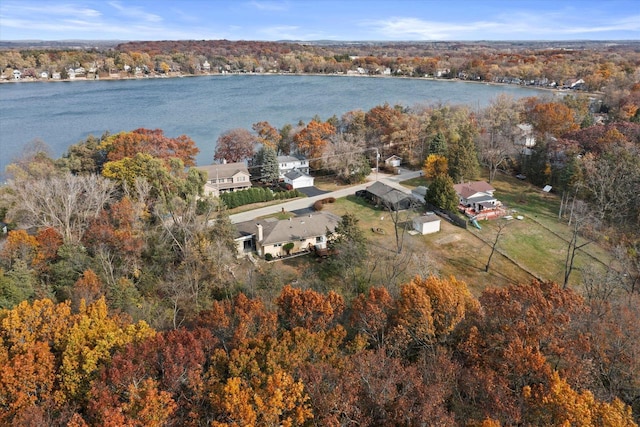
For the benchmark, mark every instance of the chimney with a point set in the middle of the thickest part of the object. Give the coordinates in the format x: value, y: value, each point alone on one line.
x: 259, y: 236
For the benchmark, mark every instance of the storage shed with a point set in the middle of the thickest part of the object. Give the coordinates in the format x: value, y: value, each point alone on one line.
x: 427, y: 223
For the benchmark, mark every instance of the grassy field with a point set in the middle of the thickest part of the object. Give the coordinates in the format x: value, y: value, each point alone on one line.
x: 534, y: 247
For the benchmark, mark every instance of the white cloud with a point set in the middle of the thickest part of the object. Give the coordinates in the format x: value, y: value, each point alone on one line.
x: 515, y: 25
x: 271, y: 6
x: 281, y: 32
x: 135, y: 12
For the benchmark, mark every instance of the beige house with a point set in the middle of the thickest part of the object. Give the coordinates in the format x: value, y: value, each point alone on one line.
x: 225, y: 178
x: 270, y: 235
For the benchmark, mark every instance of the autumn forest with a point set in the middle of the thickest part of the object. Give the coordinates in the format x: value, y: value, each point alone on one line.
x: 123, y: 301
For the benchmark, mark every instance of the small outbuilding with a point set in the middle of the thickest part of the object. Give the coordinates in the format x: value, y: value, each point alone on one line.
x: 298, y: 179
x: 427, y: 223
x: 393, y: 161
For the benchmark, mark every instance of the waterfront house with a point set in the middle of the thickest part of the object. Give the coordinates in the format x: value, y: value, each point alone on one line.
x: 288, y: 163
x: 226, y: 177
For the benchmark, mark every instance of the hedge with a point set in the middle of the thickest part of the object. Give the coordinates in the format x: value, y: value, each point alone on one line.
x: 255, y: 195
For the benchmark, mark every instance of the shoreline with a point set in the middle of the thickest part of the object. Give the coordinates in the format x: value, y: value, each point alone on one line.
x: 177, y: 76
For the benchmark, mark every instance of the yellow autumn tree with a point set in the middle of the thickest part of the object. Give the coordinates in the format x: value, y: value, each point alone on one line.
x: 429, y: 309
x: 561, y: 405
x: 275, y: 400
x: 89, y: 343
x: 435, y: 165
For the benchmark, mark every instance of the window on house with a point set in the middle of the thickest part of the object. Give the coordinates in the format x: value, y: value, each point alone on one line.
x: 319, y: 239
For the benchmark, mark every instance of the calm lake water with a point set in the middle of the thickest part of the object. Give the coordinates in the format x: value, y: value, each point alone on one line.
x: 64, y: 113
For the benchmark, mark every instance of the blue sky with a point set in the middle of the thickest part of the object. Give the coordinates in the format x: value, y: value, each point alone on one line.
x: 320, y: 20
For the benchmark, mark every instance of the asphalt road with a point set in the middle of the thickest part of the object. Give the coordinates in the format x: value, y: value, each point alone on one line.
x: 293, y: 205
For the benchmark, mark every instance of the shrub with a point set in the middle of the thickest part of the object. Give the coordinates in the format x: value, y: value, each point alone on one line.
x: 268, y: 256
x: 318, y: 205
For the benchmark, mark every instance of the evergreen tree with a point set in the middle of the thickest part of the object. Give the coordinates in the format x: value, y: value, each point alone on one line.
x: 442, y: 194
x: 537, y: 166
x: 463, y: 159
x: 438, y: 145
x: 270, y: 170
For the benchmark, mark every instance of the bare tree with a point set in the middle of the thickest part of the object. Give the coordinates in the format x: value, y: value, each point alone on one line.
x: 496, y: 140
x: 400, y: 217
x: 345, y: 156
x: 501, y: 227
x: 65, y: 203
x: 580, y: 217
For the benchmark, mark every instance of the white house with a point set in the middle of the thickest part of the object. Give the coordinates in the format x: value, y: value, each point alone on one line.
x: 269, y: 236
x: 288, y: 163
x: 476, y: 195
x: 298, y: 179
x: 17, y: 75
x: 427, y: 223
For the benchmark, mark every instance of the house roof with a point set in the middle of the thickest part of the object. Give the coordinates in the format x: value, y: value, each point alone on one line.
x: 288, y: 230
x: 295, y: 174
x: 226, y: 170
x: 423, y: 219
x: 394, y: 157
x: 289, y: 159
x: 387, y: 193
x: 468, y: 189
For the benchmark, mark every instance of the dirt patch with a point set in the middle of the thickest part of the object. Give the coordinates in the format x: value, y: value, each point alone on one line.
x: 447, y: 239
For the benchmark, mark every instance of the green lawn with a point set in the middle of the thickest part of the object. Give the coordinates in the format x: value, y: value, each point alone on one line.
x: 534, y: 247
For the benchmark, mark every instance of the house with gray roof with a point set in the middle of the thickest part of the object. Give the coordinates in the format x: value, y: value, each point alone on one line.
x: 298, y: 179
x: 288, y: 163
x: 270, y: 235
x: 225, y: 177
x: 389, y: 197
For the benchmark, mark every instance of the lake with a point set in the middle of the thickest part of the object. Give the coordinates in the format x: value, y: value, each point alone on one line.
x: 64, y: 113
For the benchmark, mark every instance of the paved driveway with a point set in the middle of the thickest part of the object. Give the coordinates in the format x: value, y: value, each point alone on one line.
x: 307, y: 202
x: 312, y: 191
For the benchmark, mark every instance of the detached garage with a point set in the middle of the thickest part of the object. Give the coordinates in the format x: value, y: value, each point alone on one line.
x: 427, y: 224
x: 298, y: 179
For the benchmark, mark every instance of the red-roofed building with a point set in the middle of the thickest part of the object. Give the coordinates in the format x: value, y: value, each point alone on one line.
x: 476, y: 195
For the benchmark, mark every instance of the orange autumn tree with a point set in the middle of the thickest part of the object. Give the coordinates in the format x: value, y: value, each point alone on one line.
x: 19, y: 246
x: 268, y: 136
x: 308, y: 309
x: 550, y: 118
x: 312, y: 140
x: 172, y: 365
x: 428, y: 310
x: 29, y: 334
x: 371, y: 314
x: 152, y: 142
x: 560, y: 405
x: 49, y: 241
x: 49, y: 356
x: 518, y: 335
